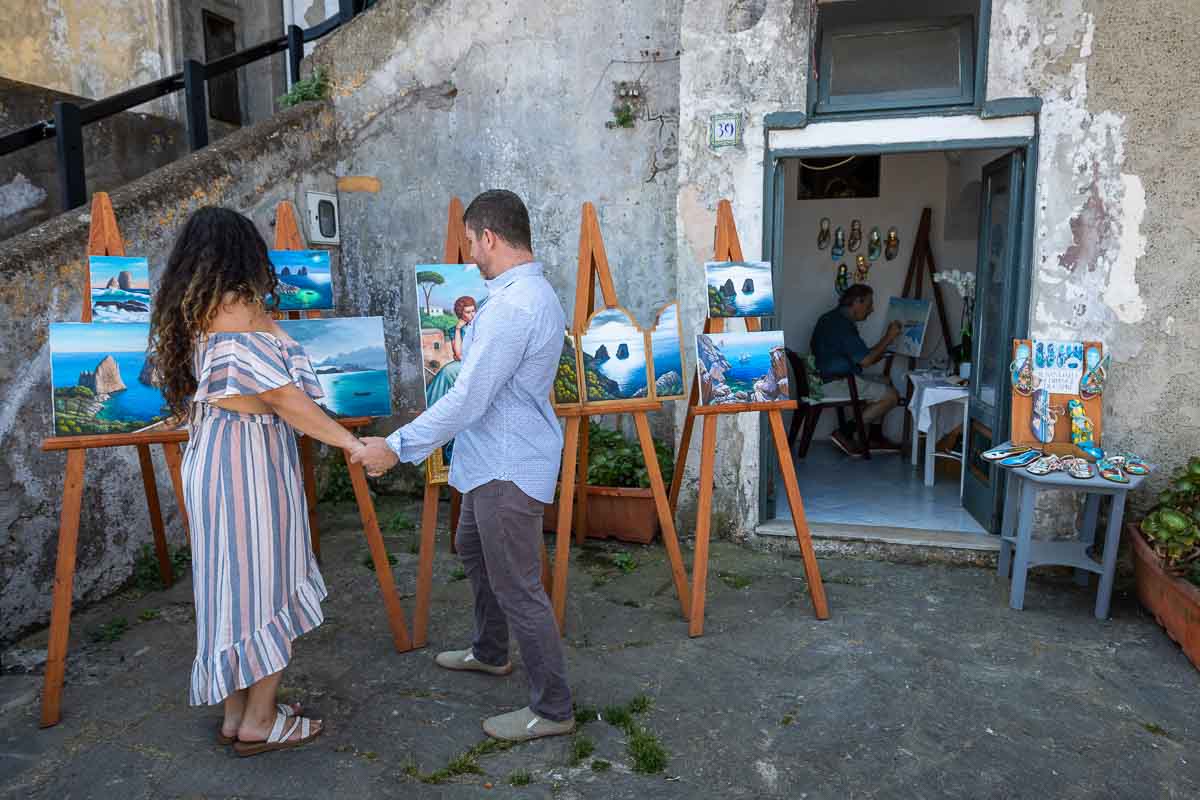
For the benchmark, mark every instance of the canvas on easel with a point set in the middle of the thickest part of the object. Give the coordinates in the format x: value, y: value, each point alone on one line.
x: 665, y: 346
x: 749, y: 393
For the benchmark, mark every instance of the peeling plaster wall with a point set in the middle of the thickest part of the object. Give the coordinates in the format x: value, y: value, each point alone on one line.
x: 1117, y: 210
x: 447, y: 98
x: 42, y: 273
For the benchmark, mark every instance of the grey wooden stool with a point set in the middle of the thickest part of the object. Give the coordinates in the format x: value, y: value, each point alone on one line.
x: 1020, y: 551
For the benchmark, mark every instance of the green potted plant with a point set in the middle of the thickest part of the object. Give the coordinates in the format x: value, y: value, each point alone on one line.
x: 620, y: 501
x: 1166, y: 558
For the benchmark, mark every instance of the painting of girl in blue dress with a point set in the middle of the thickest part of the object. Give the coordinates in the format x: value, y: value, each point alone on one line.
x: 464, y: 312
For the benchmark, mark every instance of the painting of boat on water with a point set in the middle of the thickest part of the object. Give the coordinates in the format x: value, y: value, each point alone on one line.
x: 305, y: 282
x: 102, y: 379
x: 741, y: 367
x: 739, y: 289
x: 120, y: 288
x: 667, y: 354
x: 613, y: 357
x: 350, y: 359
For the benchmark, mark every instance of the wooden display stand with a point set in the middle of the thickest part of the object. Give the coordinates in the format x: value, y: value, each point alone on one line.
x: 288, y: 237
x: 729, y: 248
x: 1022, y: 411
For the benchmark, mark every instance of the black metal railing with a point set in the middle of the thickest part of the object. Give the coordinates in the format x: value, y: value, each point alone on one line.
x: 69, y: 118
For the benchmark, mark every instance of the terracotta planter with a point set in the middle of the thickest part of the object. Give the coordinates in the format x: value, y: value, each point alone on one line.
x: 1174, y: 602
x: 628, y: 515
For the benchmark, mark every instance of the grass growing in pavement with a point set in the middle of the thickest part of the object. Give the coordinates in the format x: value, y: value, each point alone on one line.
x: 369, y: 562
x: 618, y: 717
x: 581, y: 748
x: 148, y: 614
x: 733, y: 580
x: 520, y: 778
x: 110, y: 631
x: 464, y: 764
x: 647, y: 752
x: 145, y: 567
x: 585, y: 714
x: 600, y: 765
x: 458, y: 574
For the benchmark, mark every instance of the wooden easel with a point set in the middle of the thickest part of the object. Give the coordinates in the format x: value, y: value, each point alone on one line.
x: 104, y: 239
x: 728, y: 248
x: 922, y: 256
x: 288, y: 237
x: 593, y: 266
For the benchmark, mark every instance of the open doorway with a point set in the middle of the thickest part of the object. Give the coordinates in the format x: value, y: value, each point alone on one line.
x: 975, y: 196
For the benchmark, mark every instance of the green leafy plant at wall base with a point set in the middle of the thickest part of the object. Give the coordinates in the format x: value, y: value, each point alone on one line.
x: 1173, y: 526
x: 314, y: 87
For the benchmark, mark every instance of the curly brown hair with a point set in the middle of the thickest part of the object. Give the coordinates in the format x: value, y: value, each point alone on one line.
x: 462, y: 304
x: 219, y: 252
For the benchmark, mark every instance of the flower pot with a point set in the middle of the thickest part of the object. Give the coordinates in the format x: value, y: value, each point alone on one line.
x: 628, y: 515
x: 1173, y: 601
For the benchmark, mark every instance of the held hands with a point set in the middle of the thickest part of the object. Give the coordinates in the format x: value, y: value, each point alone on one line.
x: 375, y: 456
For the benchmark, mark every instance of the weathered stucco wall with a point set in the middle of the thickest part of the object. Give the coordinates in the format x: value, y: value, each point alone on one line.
x: 437, y: 99
x: 42, y: 274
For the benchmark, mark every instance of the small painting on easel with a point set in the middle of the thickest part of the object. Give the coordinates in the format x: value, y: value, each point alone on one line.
x: 742, y: 367
x: 120, y: 288
x: 566, y: 380
x: 103, y: 378
x: 350, y: 359
x: 739, y: 289
x: 613, y: 357
x: 305, y: 282
x: 913, y: 316
x: 667, y: 356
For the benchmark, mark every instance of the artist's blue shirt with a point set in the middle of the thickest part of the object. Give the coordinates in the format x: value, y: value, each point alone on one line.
x: 837, y: 346
x: 498, y: 412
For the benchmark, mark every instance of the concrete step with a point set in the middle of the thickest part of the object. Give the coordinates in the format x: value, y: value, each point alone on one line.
x: 899, y: 545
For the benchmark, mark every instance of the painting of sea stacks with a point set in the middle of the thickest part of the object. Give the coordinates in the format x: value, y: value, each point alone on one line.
x: 667, y: 354
x: 613, y: 355
x: 739, y: 289
x: 566, y: 380
x: 102, y: 378
x: 741, y: 367
x: 305, y: 283
x: 350, y: 359
x: 120, y: 289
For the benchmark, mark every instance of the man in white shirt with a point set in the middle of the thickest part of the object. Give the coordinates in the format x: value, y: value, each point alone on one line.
x: 507, y: 451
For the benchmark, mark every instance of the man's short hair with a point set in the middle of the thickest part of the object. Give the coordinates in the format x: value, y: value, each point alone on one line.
x: 859, y: 291
x: 503, y: 213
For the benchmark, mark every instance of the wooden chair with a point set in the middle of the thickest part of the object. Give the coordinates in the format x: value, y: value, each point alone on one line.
x: 813, y: 403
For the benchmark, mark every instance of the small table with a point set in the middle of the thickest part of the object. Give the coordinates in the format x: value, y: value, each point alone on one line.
x: 1020, y: 551
x: 928, y: 392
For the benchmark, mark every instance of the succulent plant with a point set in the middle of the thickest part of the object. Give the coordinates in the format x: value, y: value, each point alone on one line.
x: 1173, y: 526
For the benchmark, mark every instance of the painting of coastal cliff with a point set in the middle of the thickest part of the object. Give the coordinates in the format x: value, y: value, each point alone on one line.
x: 741, y: 367
x: 102, y: 379
x: 566, y: 379
x: 613, y: 357
x: 739, y: 289
x: 305, y: 283
x: 120, y: 288
x: 667, y: 356
x: 350, y: 360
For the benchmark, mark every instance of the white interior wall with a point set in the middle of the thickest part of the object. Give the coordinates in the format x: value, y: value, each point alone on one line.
x: 909, y: 182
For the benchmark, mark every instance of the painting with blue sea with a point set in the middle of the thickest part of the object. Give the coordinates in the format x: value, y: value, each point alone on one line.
x: 102, y: 380
x: 305, y: 282
x: 613, y: 354
x: 667, y: 354
x: 742, y: 367
x: 350, y: 360
x: 913, y: 316
x: 739, y: 289
x: 120, y: 288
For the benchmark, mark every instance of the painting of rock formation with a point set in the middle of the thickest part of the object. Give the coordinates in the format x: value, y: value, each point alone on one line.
x: 350, y: 359
x: 741, y: 367
x: 566, y: 380
x: 613, y: 354
x: 305, y: 282
x: 666, y: 354
x: 101, y: 380
x: 120, y: 288
x: 739, y: 289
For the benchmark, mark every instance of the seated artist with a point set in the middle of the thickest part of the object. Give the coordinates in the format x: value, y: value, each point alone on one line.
x: 840, y: 351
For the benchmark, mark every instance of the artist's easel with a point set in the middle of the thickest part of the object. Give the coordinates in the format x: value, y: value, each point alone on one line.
x: 728, y: 248
x: 288, y: 237
x: 572, y: 495
x: 104, y: 239
x: 922, y: 257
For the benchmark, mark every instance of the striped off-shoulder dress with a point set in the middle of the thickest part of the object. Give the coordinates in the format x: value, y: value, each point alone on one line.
x: 256, y: 582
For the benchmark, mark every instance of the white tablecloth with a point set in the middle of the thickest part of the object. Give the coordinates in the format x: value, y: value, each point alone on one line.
x: 929, y: 393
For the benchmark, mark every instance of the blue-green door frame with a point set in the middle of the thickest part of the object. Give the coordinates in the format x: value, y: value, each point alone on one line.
x: 772, y: 239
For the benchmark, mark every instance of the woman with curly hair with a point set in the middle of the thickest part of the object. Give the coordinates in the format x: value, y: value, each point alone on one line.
x: 245, y: 389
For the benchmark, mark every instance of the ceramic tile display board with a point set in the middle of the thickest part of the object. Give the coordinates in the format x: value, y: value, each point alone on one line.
x: 1059, y: 367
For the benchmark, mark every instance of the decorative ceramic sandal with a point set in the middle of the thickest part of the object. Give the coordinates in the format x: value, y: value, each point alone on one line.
x: 1045, y: 465
x: 1134, y: 465
x: 1111, y: 471
x: 823, y: 234
x: 1081, y: 431
x: 842, y: 281
x: 1021, y: 371
x: 1043, y: 418
x: 1081, y: 469
x: 1091, y: 384
x: 893, y: 244
x: 278, y: 739
x: 855, y: 235
x: 862, y: 268
x: 1022, y: 459
x: 874, y: 245
x: 839, y: 244
x: 1004, y: 451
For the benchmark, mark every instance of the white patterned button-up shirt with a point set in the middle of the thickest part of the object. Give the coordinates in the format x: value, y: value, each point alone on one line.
x: 498, y: 412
